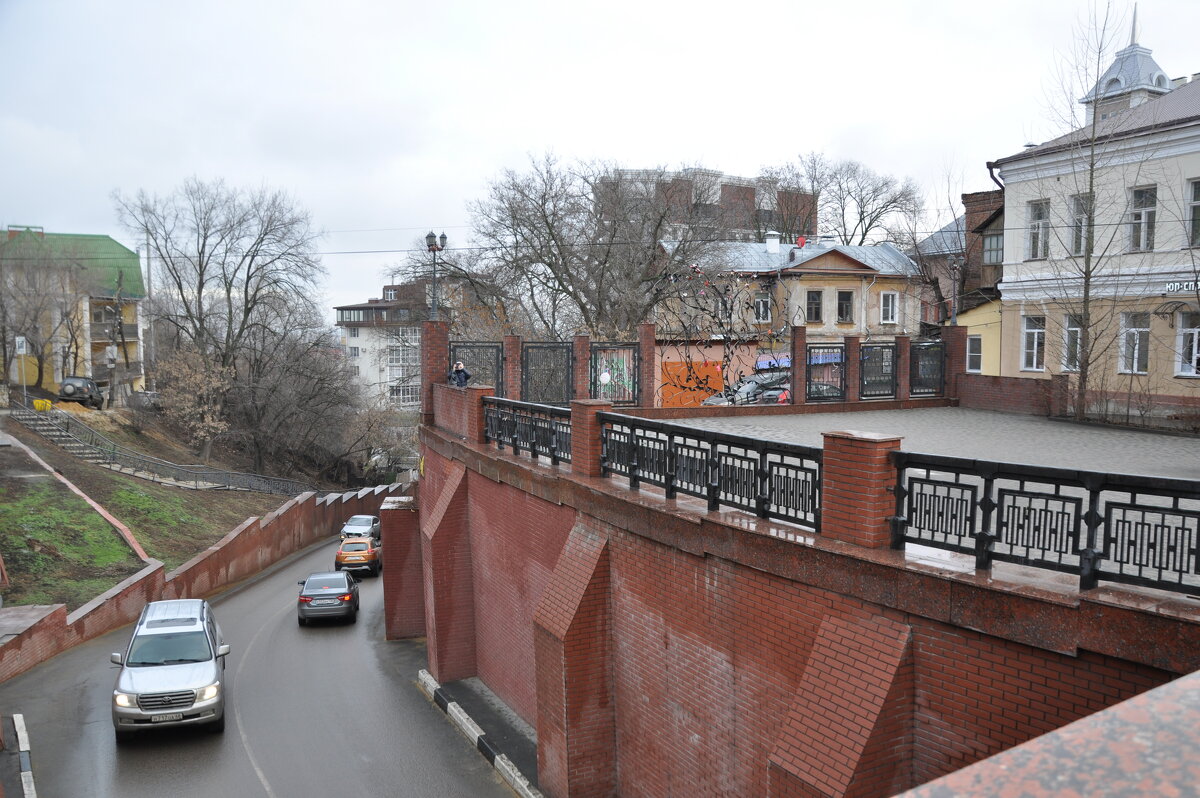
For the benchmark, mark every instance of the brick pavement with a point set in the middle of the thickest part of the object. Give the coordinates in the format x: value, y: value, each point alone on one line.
x: 988, y: 435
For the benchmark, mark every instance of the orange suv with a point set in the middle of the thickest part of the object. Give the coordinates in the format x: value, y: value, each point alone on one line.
x: 359, y: 554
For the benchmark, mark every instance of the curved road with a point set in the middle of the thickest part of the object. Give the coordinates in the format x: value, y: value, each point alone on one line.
x: 325, y: 710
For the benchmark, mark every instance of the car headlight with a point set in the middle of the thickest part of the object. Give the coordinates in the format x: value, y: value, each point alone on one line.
x: 124, y: 699
x: 210, y: 692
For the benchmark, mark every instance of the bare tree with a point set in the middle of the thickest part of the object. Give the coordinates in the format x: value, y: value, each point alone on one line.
x: 859, y: 204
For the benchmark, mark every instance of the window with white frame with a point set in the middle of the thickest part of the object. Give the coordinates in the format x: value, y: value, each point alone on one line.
x: 1033, y: 343
x: 352, y: 332
x: 845, y: 307
x: 1194, y: 215
x: 1072, y: 336
x: 1135, y: 342
x: 762, y: 307
x: 355, y: 370
x: 404, y: 366
x: 1081, y: 224
x: 353, y: 351
x: 993, y: 249
x: 1039, y: 230
x: 888, y: 307
x: 1188, y: 344
x: 974, y: 354
x: 389, y: 293
x: 1141, y: 219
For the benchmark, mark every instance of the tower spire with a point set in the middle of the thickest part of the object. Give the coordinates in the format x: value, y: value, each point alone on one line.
x: 1133, y: 29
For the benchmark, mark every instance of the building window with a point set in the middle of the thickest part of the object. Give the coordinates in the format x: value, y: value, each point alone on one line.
x: 974, y: 354
x: 762, y: 308
x: 1072, y: 335
x: 1081, y: 224
x: 1194, y: 216
x: 1135, y: 342
x: 1033, y: 344
x: 389, y: 294
x: 812, y: 310
x: 404, y: 366
x: 355, y: 370
x: 888, y: 302
x: 350, y: 315
x: 1189, y: 345
x: 353, y: 332
x: 1039, y: 229
x: 993, y: 249
x: 1141, y: 219
x: 845, y: 307
x: 354, y: 351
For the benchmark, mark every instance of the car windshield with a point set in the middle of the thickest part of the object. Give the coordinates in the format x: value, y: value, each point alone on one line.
x: 325, y: 583
x: 360, y: 520
x: 170, y: 648
x: 355, y: 546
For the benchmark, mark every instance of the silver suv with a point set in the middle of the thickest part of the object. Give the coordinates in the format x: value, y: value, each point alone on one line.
x: 173, y: 672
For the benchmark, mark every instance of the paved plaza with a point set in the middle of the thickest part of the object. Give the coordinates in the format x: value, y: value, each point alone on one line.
x: 988, y: 435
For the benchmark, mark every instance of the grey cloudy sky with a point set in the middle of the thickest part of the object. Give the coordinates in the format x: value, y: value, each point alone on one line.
x: 384, y: 119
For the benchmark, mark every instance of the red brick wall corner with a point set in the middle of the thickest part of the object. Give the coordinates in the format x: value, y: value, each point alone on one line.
x: 403, y: 593
x: 448, y: 584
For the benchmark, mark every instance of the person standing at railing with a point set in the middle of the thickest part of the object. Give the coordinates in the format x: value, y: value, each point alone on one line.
x: 459, y: 376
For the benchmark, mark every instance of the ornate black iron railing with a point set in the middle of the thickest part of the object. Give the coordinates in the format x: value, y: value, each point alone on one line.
x: 1119, y: 528
x: 542, y: 430
x: 770, y: 479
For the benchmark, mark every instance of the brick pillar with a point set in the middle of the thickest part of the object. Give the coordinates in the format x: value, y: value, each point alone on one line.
x: 512, y: 367
x: 403, y: 591
x: 799, y: 364
x: 1059, y: 400
x: 474, y: 415
x: 955, y: 341
x: 903, y: 350
x: 581, y: 347
x: 647, y: 353
x: 853, y: 366
x: 857, y: 483
x: 447, y: 576
x: 435, y: 363
x: 585, y: 435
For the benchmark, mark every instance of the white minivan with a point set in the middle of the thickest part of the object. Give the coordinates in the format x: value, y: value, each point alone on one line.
x: 172, y: 673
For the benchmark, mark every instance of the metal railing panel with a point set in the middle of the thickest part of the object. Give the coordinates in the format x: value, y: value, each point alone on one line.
x: 542, y: 430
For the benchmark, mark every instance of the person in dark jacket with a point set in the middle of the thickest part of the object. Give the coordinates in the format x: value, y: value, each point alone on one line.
x: 460, y: 376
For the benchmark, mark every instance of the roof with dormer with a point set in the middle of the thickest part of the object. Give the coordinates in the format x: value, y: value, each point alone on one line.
x: 755, y: 258
x: 1132, y: 69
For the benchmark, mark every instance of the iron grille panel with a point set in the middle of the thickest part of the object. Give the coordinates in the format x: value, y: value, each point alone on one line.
x: 1152, y: 546
x: 1038, y: 529
x: 738, y: 480
x: 547, y: 373
x: 877, y: 371
x: 926, y: 369
x: 615, y: 372
x: 941, y: 513
x: 825, y: 373
x: 484, y: 361
x: 540, y: 429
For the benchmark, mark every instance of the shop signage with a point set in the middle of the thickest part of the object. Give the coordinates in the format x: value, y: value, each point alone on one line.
x: 1181, y: 285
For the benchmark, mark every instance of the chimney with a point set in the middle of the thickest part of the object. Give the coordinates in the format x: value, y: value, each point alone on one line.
x: 772, y: 242
x: 1177, y: 82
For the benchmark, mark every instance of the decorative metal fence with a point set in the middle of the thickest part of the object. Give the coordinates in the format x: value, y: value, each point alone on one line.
x: 547, y: 373
x: 825, y: 373
x: 485, y: 362
x: 538, y: 429
x: 770, y: 479
x: 70, y: 432
x: 877, y: 371
x: 926, y: 369
x: 614, y: 372
x: 1120, y: 528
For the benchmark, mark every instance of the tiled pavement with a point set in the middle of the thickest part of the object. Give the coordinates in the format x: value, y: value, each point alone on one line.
x: 988, y: 435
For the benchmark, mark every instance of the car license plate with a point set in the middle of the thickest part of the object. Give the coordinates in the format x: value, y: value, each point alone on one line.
x: 167, y: 717
x: 324, y: 602
x: 354, y: 559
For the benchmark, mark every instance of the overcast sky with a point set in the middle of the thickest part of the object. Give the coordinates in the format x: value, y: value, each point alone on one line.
x: 383, y: 119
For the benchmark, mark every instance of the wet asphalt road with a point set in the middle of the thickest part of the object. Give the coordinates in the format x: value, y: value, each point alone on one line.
x: 325, y: 710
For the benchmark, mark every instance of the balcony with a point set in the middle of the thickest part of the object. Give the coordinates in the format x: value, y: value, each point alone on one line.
x: 104, y: 331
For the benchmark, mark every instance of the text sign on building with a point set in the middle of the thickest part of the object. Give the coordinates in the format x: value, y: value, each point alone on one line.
x: 1181, y: 285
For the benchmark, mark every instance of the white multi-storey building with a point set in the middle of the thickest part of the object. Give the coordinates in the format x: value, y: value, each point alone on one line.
x: 382, y: 340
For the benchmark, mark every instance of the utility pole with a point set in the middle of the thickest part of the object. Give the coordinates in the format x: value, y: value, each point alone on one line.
x: 148, y: 361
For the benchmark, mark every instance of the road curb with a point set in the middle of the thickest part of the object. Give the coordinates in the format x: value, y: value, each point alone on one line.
x: 28, y: 790
x: 470, y: 729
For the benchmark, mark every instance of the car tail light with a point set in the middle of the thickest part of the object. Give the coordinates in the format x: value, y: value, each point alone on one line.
x: 305, y: 599
x: 346, y: 597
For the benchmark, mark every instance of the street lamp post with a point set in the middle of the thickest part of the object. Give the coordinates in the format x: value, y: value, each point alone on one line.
x: 436, y: 244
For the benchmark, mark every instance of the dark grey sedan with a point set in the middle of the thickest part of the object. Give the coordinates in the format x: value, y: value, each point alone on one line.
x: 327, y: 594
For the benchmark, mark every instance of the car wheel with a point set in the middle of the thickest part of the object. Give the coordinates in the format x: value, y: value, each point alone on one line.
x: 354, y: 616
x: 218, y: 727
x: 124, y: 737
x: 301, y: 621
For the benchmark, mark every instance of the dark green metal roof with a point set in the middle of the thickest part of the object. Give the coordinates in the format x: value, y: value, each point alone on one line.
x: 106, y: 267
